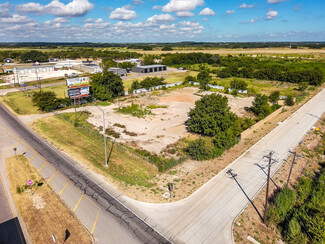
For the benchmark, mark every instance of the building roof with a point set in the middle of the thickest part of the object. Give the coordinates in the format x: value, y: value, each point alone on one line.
x: 34, y: 67
x: 113, y: 68
x: 151, y: 66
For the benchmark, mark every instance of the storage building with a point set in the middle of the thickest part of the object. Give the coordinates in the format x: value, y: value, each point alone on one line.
x: 118, y: 71
x: 149, y: 68
x: 33, y: 69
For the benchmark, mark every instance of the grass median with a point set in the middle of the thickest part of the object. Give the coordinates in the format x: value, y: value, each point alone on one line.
x: 43, y: 212
x: 85, y: 144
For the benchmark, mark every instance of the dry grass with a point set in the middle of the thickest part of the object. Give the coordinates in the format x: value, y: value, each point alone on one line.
x: 53, y: 218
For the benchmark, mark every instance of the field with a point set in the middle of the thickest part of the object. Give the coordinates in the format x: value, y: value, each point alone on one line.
x: 86, y: 145
x: 21, y: 102
x: 43, y: 212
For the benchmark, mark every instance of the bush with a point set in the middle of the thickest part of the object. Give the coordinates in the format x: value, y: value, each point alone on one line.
x: 45, y: 100
x: 200, y: 149
x: 238, y: 84
x: 289, y: 101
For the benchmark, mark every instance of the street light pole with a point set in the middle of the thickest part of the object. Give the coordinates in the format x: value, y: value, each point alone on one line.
x: 104, y: 130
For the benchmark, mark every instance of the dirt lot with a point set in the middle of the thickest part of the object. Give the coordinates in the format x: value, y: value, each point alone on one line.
x: 166, y: 125
x: 249, y: 223
x: 41, y: 75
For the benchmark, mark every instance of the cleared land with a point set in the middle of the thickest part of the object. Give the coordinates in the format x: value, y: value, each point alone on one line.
x: 43, y: 212
x: 166, y: 124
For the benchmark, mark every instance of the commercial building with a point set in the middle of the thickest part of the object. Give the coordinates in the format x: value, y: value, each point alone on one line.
x: 149, y: 68
x: 33, y: 69
x: 118, y: 71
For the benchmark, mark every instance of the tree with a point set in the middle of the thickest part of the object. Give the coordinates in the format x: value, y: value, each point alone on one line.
x: 274, y: 97
x: 148, y: 60
x: 166, y: 48
x: 211, y: 116
x: 238, y: 84
x: 106, y: 86
x: 204, y: 78
x: 126, y: 65
x: 34, y: 56
x: 189, y: 79
x: 107, y: 63
x: 260, y: 107
x: 289, y: 101
x: 45, y: 100
x: 135, y: 85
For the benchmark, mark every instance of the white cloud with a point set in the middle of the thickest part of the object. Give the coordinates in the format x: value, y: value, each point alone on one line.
x: 123, y: 13
x: 156, y: 7
x: 4, y: 9
x: 205, y: 19
x: 181, y: 5
x: 272, y: 14
x: 60, y: 20
x: 137, y: 2
x: 207, y: 12
x: 184, y: 14
x: 251, y: 21
x: 162, y: 18
x: 244, y: 5
x: 230, y: 11
x: 89, y: 20
x: 57, y: 8
x: 17, y: 19
x: 275, y: 1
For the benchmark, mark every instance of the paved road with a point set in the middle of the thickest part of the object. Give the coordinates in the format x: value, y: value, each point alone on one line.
x: 207, y: 215
x: 103, y: 215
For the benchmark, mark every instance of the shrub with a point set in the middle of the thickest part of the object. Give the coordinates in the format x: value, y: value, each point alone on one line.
x: 200, y: 149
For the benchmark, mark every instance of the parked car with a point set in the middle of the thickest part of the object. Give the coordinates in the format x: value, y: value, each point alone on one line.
x: 66, y: 75
x: 74, y: 75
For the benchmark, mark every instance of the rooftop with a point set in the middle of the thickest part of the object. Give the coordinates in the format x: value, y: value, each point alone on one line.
x: 151, y: 66
x: 34, y: 67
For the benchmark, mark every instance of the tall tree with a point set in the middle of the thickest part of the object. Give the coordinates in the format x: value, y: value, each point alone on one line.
x: 106, y: 86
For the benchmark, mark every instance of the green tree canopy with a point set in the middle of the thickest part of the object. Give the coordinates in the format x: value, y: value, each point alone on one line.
x: 261, y: 107
x: 204, y: 78
x: 106, y: 86
x: 274, y: 96
x: 238, y: 84
x: 34, y: 56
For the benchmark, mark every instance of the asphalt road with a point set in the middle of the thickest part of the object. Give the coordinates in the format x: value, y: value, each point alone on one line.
x: 207, y: 216
x: 102, y: 214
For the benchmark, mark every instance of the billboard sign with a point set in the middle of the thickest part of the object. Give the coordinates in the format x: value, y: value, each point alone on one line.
x: 79, y: 81
x: 78, y: 92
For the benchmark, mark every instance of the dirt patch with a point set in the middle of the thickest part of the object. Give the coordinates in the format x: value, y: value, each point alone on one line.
x: 249, y: 222
x: 167, y: 124
x: 43, y: 212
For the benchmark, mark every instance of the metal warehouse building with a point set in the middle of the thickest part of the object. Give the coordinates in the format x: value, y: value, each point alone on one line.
x: 149, y: 68
x: 118, y: 71
x: 33, y: 69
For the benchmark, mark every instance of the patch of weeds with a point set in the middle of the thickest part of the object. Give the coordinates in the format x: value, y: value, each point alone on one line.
x: 135, y: 110
x: 172, y: 172
x: 112, y: 132
x: 129, y: 133
x: 119, y: 125
x: 156, y: 106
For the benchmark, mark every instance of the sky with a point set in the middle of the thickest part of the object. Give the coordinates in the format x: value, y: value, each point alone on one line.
x: 161, y: 20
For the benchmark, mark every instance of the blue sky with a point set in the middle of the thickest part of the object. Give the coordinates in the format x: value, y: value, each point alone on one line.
x: 162, y: 20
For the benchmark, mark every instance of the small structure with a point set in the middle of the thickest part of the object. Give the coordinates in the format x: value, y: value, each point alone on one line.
x: 33, y: 69
x: 8, y: 60
x: 53, y: 59
x: 118, y: 71
x: 149, y: 68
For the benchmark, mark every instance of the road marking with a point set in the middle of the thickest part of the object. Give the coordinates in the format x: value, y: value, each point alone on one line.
x: 33, y: 157
x: 64, y: 188
x: 78, y: 203
x: 42, y: 166
x: 94, y: 226
x: 52, y: 177
x: 12, y: 212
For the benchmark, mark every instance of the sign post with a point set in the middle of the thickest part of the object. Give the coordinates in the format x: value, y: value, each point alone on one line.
x: 30, y: 183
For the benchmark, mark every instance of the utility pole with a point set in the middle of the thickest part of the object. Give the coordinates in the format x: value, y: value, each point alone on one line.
x: 104, y: 131
x: 267, y: 183
x: 293, y: 162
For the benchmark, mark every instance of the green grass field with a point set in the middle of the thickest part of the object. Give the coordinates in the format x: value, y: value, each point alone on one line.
x: 21, y: 102
x: 86, y: 145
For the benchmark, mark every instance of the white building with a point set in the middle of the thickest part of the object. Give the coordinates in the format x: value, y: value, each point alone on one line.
x: 33, y: 69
